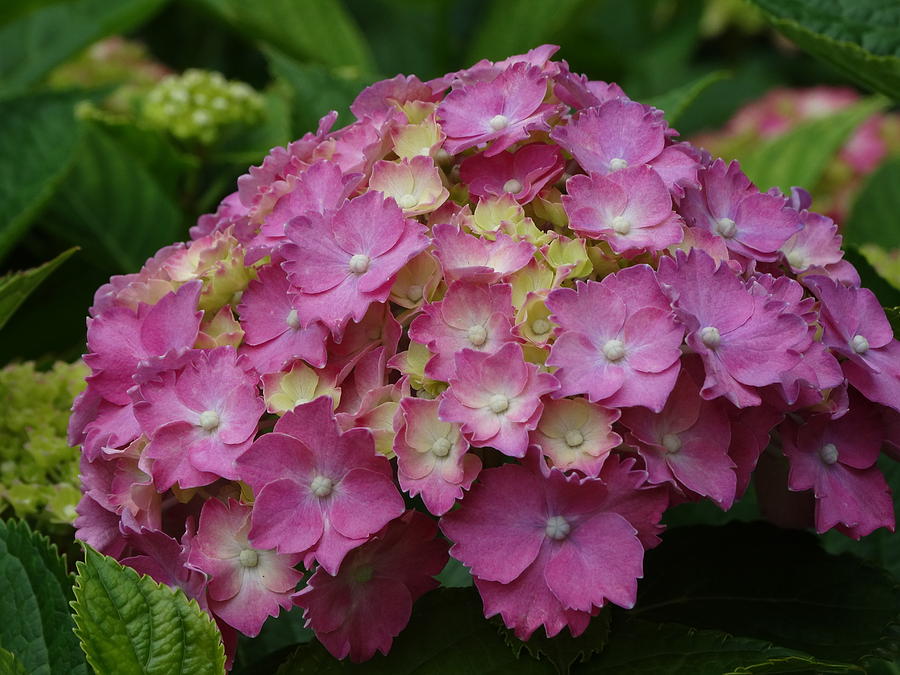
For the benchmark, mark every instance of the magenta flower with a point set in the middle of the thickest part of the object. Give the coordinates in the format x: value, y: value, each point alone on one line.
x: 549, y: 550
x: 464, y: 256
x: 631, y: 209
x: 618, y: 343
x: 469, y: 317
x: 164, y: 559
x: 319, y: 492
x: 496, y: 398
x: 502, y: 111
x: 246, y: 585
x: 383, y: 98
x: 362, y: 608
x: 817, y: 245
x: 199, y: 419
x: 522, y: 173
x: 343, y: 262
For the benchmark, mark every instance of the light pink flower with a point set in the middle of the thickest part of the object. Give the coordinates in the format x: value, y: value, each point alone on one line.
x: 415, y: 184
x: 522, y: 173
x: 464, y: 256
x: 382, y: 99
x: 817, y: 245
x: 575, y: 434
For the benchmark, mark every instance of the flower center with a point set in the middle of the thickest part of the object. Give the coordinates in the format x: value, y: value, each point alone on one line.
x: 249, y: 558
x: 477, y: 335
x: 512, y: 186
x: 557, y: 528
x: 829, y: 453
x: 672, y: 443
x: 796, y: 259
x: 414, y: 293
x: 209, y: 420
x: 498, y: 403
x: 407, y: 201
x: 726, y: 227
x: 574, y: 438
x: 441, y: 447
x: 617, y: 164
x: 321, y: 487
x: 859, y: 344
x: 293, y: 319
x: 614, y: 350
x: 540, y: 326
x: 709, y: 335
x: 499, y: 122
x: 620, y: 225
x: 359, y: 263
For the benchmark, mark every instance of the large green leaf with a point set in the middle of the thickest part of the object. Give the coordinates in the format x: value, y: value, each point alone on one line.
x: 38, y: 137
x: 10, y: 664
x: 37, y: 626
x: 861, y: 38
x: 130, y: 624
x: 800, y: 156
x: 17, y: 286
x: 755, y: 580
x: 113, y: 207
x: 32, y: 45
x: 447, y: 635
x: 321, y: 31
x: 675, y: 102
x: 887, y: 294
x: 873, y: 219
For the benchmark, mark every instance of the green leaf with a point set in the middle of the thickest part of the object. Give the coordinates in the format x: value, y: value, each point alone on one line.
x: 32, y: 45
x: 860, y: 38
x: 676, y: 101
x: 887, y: 294
x: 756, y: 580
x: 515, y: 26
x: 17, y: 286
x: 37, y: 626
x: 130, y: 624
x: 15, y: 9
x: 446, y: 635
x: 38, y: 138
x: 873, y: 218
x: 277, y: 640
x: 455, y: 575
x: 10, y: 664
x: 113, y: 207
x: 646, y: 648
x: 800, y: 156
x: 321, y: 31
x: 563, y: 650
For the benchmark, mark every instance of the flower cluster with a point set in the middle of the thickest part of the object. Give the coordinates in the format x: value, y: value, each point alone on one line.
x: 509, y: 294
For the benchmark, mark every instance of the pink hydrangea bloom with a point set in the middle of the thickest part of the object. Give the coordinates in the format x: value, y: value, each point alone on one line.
x: 817, y: 245
x: 164, y: 559
x: 464, y: 256
x: 415, y: 184
x: 522, y: 173
x: 576, y: 435
x: 496, y: 398
x: 319, y: 492
x: 382, y: 98
x: 364, y: 606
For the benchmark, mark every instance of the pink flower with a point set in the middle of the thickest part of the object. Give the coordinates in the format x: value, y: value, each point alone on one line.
x: 383, y: 98
x: 319, y: 492
x: 343, y: 262
x: 415, y: 184
x: 522, y: 173
x: 631, y: 209
x: 431, y: 456
x: 496, y: 398
x: 164, y: 559
x: 502, y: 111
x: 469, y: 317
x: 617, y: 344
x: 246, y: 585
x: 817, y: 245
x: 199, y: 419
x: 575, y: 434
x: 471, y: 258
x: 364, y: 606
x: 549, y: 550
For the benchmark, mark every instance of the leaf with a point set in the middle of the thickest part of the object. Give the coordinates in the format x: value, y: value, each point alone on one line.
x: 800, y: 156
x: 860, y: 38
x: 888, y: 295
x: 563, y: 650
x: 446, y: 635
x: 130, y: 624
x: 756, y: 580
x: 455, y: 575
x: 647, y: 648
x: 10, y: 665
x: 37, y: 626
x: 277, y: 640
x: 515, y: 26
x: 38, y: 138
x: 32, y: 45
x: 17, y: 286
x: 321, y: 31
x: 113, y: 207
x: 676, y: 101
x: 873, y: 218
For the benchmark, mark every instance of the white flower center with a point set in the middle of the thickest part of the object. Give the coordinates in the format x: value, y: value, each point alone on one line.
x: 557, y: 528
x: 574, y: 438
x: 614, y: 350
x: 498, y: 403
x: 709, y: 335
x: 671, y: 442
x: 540, y: 326
x: 512, y: 186
x: 359, y: 263
x: 797, y: 260
x: 617, y: 164
x: 859, y: 344
x: 726, y: 227
x: 209, y: 420
x: 620, y: 225
x: 441, y: 447
x: 499, y: 122
x: 293, y: 319
x: 829, y: 453
x: 477, y: 335
x: 407, y: 201
x: 321, y: 487
x: 414, y: 293
x: 249, y: 558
